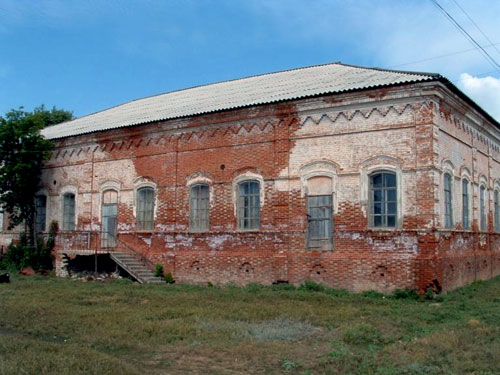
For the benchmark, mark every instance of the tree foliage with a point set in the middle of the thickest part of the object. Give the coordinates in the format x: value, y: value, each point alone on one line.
x: 22, y: 152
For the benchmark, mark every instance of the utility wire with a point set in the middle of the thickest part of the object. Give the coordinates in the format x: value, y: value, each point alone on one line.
x: 467, y: 35
x: 442, y: 56
x: 475, y: 24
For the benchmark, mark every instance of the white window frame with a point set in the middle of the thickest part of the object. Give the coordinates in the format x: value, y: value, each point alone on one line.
x: 240, y: 219
x: 69, y: 189
x: 139, y: 183
x: 247, y: 176
x: 371, y: 166
x: 44, y: 229
x: 483, y: 207
x: 370, y: 213
x: 143, y: 227
x: 195, y: 212
x: 467, y: 206
x: 448, y: 206
x: 496, y: 209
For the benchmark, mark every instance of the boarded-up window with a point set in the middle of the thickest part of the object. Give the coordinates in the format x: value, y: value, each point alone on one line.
x: 383, y: 195
x: 145, y: 208
x: 249, y: 205
x: 465, y: 204
x: 68, y: 222
x: 320, y: 185
x: 482, y: 206
x: 448, y: 210
x: 199, y: 207
x: 320, y: 221
x: 41, y: 212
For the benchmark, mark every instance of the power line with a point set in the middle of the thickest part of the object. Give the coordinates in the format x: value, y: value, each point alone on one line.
x: 467, y: 36
x: 442, y: 56
x: 475, y: 24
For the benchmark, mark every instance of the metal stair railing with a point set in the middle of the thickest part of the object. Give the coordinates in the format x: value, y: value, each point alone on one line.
x: 129, y: 249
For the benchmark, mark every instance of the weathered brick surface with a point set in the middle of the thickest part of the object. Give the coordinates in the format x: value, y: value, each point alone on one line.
x: 407, y: 129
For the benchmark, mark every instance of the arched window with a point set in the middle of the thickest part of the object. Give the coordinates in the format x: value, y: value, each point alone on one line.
x: 145, y: 208
x: 465, y: 204
x: 199, y: 207
x: 448, y: 208
x: 497, y: 212
x: 109, y: 217
x: 68, y: 220
x: 384, y: 202
x: 249, y: 205
x: 482, y: 208
x: 40, y: 213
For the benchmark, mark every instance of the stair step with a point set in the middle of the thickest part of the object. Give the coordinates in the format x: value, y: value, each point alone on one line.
x: 136, y: 268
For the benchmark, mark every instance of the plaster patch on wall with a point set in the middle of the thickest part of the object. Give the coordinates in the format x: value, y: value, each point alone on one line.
x: 147, y: 240
x: 282, y: 185
x: 216, y: 242
x: 124, y: 227
x: 184, y: 240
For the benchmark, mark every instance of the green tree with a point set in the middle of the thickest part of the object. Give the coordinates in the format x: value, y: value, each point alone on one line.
x: 22, y: 153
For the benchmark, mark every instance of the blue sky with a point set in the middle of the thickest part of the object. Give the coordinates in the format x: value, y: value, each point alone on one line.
x: 89, y: 55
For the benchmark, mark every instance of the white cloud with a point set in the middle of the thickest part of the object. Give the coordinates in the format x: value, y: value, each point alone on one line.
x: 484, y: 91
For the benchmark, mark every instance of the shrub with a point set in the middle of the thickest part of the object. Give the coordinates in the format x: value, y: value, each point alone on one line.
x: 311, y: 286
x: 412, y: 294
x: 337, y: 292
x: 169, y: 279
x: 158, y: 270
x: 254, y: 287
x: 362, y: 334
x: 283, y: 286
x: 372, y: 294
x: 21, y: 255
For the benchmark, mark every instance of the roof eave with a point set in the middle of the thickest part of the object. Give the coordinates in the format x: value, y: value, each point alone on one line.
x: 432, y: 77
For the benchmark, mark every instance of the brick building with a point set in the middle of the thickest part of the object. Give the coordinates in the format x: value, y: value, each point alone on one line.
x: 354, y: 177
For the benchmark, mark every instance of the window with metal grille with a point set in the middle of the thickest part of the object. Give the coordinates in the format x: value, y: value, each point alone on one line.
x: 68, y: 222
x: 40, y: 212
x: 248, y: 205
x: 320, y: 222
x: 145, y: 208
x: 465, y: 204
x: 482, y: 207
x: 383, y: 196
x: 448, y: 210
x: 497, y: 212
x: 199, y: 206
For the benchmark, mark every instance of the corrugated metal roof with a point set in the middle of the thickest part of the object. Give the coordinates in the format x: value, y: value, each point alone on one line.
x: 261, y: 89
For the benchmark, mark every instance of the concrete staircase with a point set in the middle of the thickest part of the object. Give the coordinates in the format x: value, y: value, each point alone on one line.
x: 135, y: 268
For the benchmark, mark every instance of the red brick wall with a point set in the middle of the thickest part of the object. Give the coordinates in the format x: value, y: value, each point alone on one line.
x: 397, y: 128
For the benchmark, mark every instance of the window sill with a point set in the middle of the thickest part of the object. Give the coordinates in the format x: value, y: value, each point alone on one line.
x: 384, y: 229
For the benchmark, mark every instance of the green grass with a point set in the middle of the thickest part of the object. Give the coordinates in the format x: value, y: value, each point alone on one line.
x: 61, y: 326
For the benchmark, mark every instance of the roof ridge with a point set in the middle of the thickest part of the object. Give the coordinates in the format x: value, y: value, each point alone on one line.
x: 410, y: 72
